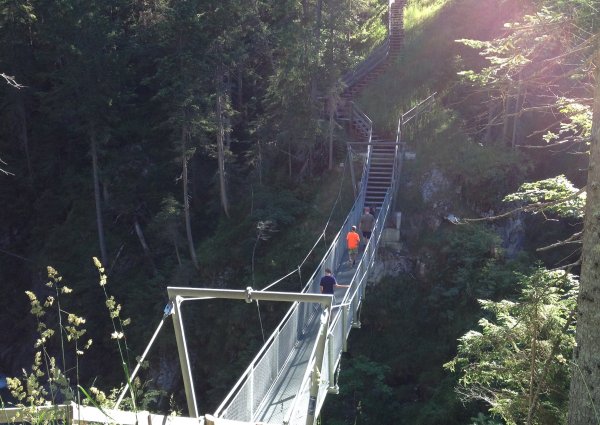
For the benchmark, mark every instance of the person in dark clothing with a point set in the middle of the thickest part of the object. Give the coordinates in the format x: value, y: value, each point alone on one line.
x: 367, y: 221
x: 328, y: 283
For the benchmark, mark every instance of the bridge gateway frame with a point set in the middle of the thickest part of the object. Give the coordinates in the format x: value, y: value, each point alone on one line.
x: 177, y: 295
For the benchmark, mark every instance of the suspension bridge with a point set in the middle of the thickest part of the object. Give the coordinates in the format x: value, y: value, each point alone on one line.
x: 289, y: 379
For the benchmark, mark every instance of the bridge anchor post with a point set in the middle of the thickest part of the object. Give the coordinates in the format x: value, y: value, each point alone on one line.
x: 332, y: 387
x: 317, y: 368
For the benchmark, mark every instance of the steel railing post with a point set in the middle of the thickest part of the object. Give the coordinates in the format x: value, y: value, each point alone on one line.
x: 333, y: 387
x: 344, y: 328
x: 352, y: 177
x: 317, y: 368
x: 251, y: 398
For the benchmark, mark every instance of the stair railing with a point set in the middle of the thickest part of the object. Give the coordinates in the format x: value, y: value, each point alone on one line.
x: 378, y: 56
x: 405, y: 118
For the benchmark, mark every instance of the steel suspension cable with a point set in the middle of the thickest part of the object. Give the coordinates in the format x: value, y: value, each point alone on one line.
x: 321, y: 236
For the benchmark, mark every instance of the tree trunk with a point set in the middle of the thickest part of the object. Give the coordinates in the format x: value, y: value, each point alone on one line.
x: 517, y: 113
x: 140, y: 234
x: 319, y: 14
x: 290, y: 158
x: 331, y: 124
x: 505, y: 113
x: 491, y: 119
x: 24, y: 134
x: 584, y: 396
x: 177, y: 252
x: 97, y: 197
x: 221, y: 146
x: 240, y: 91
x: 305, y: 11
x: 260, y: 163
x: 186, y: 195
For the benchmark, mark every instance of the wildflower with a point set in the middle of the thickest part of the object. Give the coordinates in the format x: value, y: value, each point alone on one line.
x: 117, y: 335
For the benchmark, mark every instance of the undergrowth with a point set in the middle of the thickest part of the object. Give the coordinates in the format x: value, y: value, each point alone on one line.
x: 59, y: 350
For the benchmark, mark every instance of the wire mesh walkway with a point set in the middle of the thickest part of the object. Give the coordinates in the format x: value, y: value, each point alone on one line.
x: 281, y: 397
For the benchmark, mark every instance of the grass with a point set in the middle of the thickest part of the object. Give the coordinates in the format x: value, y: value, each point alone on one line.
x: 417, y: 12
x: 431, y: 58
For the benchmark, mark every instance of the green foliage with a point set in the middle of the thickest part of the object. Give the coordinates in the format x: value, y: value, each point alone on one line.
x: 539, y: 51
x: 518, y: 362
x: 55, y: 378
x: 470, y: 262
x: 482, y: 419
x: 418, y: 12
x: 363, y: 381
x: 556, y: 195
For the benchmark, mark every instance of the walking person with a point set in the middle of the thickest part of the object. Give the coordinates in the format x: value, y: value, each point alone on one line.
x: 328, y: 283
x: 367, y: 222
x: 352, y: 242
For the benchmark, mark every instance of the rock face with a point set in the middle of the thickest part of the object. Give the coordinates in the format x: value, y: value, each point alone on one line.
x: 434, y: 184
x: 437, y: 196
x: 441, y: 199
x: 512, y: 233
x: 391, y: 262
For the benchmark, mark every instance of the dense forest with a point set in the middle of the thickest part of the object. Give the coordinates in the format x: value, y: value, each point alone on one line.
x: 159, y: 143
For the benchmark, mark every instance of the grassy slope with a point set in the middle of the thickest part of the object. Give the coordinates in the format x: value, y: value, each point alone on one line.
x: 430, y: 58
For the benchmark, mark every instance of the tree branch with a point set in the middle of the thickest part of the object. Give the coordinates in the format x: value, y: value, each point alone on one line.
x: 573, y: 239
x: 11, y: 81
x: 526, y: 208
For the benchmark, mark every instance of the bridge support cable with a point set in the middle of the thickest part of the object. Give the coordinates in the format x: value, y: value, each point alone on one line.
x: 167, y: 312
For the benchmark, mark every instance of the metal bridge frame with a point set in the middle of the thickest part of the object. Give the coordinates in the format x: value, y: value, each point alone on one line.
x: 179, y: 294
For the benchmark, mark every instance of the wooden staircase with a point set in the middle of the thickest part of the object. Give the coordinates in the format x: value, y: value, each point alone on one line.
x: 358, y: 125
x: 396, y: 29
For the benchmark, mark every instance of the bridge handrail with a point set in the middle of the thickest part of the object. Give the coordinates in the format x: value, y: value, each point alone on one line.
x: 404, y: 119
x: 295, y: 407
x: 268, y: 344
x: 355, y: 292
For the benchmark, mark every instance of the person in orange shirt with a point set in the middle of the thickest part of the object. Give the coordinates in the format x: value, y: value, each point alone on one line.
x: 352, y: 241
